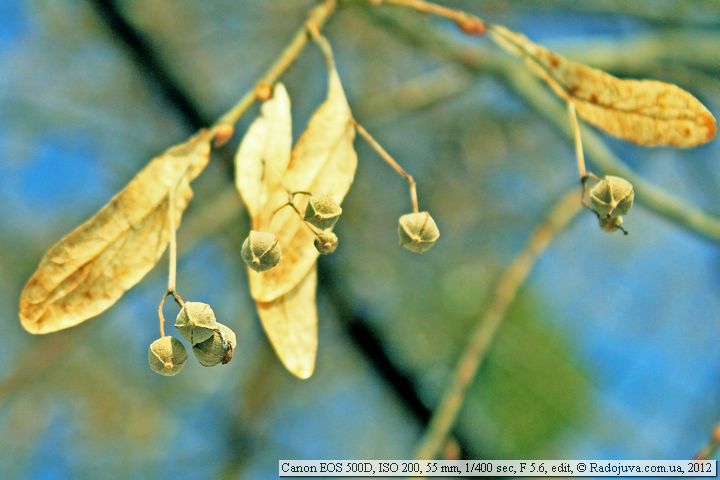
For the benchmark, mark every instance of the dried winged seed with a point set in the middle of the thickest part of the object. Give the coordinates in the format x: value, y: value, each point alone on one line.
x: 218, y: 348
x: 261, y: 250
x: 196, y: 322
x: 167, y: 356
x: 417, y: 231
x: 322, y: 212
x: 324, y: 162
x: 326, y: 242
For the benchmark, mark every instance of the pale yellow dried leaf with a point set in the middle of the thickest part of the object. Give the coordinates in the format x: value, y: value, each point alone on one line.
x: 647, y: 112
x: 264, y: 152
x: 89, y: 269
x: 323, y: 162
x: 290, y: 322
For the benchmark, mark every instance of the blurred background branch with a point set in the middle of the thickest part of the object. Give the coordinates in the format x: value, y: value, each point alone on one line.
x: 508, y: 284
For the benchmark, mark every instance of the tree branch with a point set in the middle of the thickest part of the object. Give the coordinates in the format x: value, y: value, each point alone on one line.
x: 317, y: 18
x: 487, y: 327
x: 537, y: 96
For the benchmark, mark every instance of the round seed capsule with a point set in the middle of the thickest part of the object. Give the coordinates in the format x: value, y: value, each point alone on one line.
x: 326, y: 242
x: 167, y: 356
x: 611, y: 224
x: 261, y: 250
x: 417, y: 231
x: 611, y: 198
x: 322, y: 212
x: 196, y: 322
x: 217, y: 349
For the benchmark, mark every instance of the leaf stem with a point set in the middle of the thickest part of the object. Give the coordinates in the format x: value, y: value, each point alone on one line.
x: 487, y: 327
x: 161, y: 316
x: 579, y: 153
x: 302, y: 219
x: 323, y: 44
x: 317, y: 18
x: 390, y: 161
x: 178, y: 299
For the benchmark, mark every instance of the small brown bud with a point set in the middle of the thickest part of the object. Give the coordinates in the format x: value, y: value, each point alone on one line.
x: 263, y: 91
x: 261, y: 250
x: 417, y: 231
x: 472, y: 26
x: 322, y: 212
x: 217, y: 349
x: 167, y: 356
x: 196, y: 322
x: 326, y: 242
x: 223, y: 133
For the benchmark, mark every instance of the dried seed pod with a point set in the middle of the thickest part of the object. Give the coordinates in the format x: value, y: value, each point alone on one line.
x: 217, y: 349
x: 417, y: 231
x: 326, y: 242
x: 167, y: 356
x: 323, y: 212
x: 611, y: 224
x: 261, y: 250
x: 611, y: 198
x: 196, y: 322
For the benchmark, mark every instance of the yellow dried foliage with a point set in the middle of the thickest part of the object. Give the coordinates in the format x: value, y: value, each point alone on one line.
x: 647, y: 112
x: 264, y: 153
x: 87, y: 271
x: 291, y: 324
x: 323, y: 162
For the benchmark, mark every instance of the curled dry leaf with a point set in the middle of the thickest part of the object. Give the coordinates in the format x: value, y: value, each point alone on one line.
x: 323, y: 162
x: 87, y: 271
x: 647, y: 112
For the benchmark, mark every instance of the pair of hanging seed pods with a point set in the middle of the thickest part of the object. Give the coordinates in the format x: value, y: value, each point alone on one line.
x: 261, y: 251
x: 213, y: 343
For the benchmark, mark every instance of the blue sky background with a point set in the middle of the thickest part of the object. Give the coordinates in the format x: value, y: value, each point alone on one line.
x: 609, y: 352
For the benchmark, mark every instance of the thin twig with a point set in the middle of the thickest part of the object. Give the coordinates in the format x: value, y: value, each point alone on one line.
x: 390, y: 161
x: 161, y: 317
x: 468, y: 22
x: 310, y: 227
x: 579, y: 154
x: 178, y: 299
x: 323, y: 44
x: 471, y: 358
x: 528, y: 87
x: 711, y: 447
x: 317, y: 18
